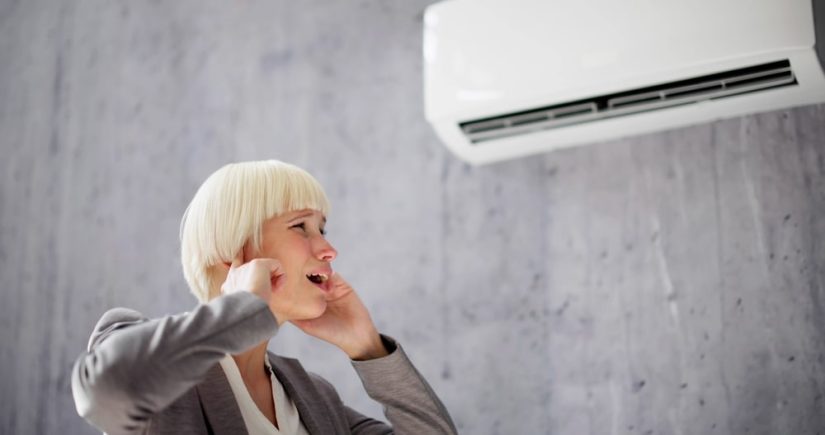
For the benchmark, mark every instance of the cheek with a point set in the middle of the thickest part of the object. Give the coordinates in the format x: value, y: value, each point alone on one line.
x: 292, y: 253
x: 295, y: 249
x: 277, y: 247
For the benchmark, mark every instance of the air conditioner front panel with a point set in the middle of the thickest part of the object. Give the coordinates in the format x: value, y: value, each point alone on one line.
x: 485, y: 56
x: 810, y: 90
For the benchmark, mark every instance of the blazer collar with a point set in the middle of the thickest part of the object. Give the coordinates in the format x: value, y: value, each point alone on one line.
x: 300, y: 388
x: 223, y: 416
x: 220, y: 409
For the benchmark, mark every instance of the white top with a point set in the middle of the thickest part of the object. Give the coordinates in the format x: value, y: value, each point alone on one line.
x: 289, y: 422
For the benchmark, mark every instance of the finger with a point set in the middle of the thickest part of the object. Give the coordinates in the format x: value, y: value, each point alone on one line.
x: 276, y: 274
x: 338, y: 287
x: 336, y: 277
x: 337, y: 281
x: 272, y: 265
x: 238, y: 260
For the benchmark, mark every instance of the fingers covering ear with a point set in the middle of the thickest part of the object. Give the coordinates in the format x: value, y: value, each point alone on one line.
x: 238, y: 260
x: 274, y: 267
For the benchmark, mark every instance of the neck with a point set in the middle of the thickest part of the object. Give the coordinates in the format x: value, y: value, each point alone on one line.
x: 251, y: 363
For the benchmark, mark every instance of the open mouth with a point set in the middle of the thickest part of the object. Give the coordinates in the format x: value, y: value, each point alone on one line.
x: 318, y: 278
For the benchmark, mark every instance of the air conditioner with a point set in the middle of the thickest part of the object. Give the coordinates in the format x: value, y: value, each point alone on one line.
x: 509, y: 78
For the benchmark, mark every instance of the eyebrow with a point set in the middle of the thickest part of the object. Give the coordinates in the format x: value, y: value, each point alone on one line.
x: 307, y: 213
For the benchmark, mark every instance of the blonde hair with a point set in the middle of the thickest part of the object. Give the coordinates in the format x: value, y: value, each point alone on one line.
x: 230, y: 208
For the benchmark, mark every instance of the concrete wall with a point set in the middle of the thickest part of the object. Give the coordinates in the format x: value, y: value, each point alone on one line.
x: 664, y: 284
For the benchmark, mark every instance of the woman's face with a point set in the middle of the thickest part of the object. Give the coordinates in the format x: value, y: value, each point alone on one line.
x: 296, y: 240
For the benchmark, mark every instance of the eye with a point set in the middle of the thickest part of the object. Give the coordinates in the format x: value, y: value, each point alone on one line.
x: 303, y: 227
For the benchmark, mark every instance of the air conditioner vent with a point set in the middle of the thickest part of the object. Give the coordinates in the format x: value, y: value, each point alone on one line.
x: 678, y: 93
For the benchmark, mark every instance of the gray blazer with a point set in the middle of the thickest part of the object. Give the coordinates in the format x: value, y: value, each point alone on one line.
x: 162, y: 376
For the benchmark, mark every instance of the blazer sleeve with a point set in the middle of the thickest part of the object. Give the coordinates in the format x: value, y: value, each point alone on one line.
x: 135, y: 367
x: 410, y: 405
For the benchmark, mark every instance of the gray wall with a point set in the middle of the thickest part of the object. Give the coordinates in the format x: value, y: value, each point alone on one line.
x: 664, y: 284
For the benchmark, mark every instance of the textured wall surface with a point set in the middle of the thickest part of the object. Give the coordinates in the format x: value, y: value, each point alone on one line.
x: 664, y: 284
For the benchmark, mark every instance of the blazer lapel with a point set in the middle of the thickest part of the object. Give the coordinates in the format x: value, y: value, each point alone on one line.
x: 219, y: 406
x: 308, y: 400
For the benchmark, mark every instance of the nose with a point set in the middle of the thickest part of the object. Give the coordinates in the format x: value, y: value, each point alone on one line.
x: 324, y: 250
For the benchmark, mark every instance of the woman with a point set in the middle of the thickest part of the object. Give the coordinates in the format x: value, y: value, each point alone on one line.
x: 255, y: 256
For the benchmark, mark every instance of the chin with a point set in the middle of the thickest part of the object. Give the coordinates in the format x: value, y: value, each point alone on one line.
x: 313, y: 309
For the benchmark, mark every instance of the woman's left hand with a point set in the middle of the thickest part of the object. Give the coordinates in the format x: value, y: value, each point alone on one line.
x: 346, y: 323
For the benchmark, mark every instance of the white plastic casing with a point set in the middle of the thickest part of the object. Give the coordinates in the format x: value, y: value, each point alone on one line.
x: 485, y: 58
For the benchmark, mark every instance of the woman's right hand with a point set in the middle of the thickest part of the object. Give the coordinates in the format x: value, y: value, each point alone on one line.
x: 260, y: 276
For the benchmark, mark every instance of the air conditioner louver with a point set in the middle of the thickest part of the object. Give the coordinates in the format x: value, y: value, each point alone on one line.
x: 708, y: 87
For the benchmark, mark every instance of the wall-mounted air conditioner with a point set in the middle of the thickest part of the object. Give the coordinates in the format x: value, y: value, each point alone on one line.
x: 508, y: 78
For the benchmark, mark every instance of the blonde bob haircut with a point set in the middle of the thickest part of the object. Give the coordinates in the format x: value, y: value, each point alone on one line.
x: 230, y: 208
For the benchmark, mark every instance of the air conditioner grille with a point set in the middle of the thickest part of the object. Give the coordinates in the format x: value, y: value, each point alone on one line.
x: 678, y: 93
